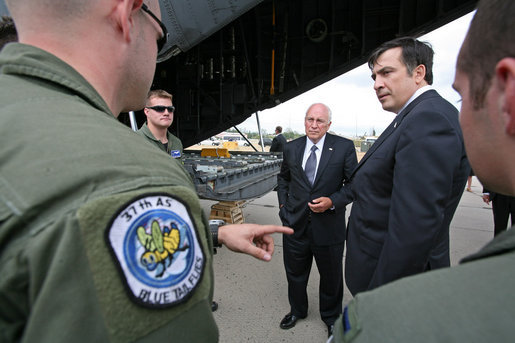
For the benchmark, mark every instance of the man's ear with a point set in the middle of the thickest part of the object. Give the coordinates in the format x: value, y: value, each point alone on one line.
x: 124, y: 16
x: 419, y: 73
x: 505, y: 75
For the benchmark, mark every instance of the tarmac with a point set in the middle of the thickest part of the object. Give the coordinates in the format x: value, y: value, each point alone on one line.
x: 252, y: 295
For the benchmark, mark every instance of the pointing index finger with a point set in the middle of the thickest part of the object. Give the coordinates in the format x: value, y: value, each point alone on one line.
x: 267, y: 229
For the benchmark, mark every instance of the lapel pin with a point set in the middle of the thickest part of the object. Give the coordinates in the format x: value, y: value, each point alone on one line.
x: 395, y: 125
x: 331, y: 149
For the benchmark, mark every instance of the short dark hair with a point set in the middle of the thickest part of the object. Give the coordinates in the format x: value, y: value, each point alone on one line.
x: 489, y: 39
x: 414, y: 53
x: 8, y: 32
x: 279, y: 129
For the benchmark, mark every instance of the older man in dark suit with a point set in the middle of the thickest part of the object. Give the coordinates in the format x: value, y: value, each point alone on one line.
x: 408, y: 185
x: 312, y: 200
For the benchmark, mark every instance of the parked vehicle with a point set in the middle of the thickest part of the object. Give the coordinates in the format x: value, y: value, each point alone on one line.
x: 268, y: 141
x: 210, y: 141
x: 235, y: 137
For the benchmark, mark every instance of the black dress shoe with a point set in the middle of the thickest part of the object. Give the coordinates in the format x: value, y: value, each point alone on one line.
x: 214, y: 306
x: 289, y: 321
x: 330, y: 329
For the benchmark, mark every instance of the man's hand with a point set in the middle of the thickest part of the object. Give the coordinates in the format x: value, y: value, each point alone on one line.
x: 252, y: 239
x: 321, y: 204
x: 486, y: 198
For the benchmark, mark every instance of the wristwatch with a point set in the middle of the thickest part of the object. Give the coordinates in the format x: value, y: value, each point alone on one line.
x: 214, y: 224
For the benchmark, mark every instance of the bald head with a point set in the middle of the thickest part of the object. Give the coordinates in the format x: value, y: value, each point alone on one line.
x: 317, y: 121
x: 30, y: 13
x: 57, y: 7
x: 82, y: 33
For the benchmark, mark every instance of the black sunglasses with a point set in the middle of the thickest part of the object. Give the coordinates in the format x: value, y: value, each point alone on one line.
x: 164, y: 38
x: 161, y: 109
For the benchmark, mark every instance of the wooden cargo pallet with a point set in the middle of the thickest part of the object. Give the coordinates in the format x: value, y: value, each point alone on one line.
x: 228, y: 211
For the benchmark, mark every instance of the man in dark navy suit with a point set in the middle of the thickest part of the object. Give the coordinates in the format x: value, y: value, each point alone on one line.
x: 312, y: 200
x: 408, y: 185
x: 279, y: 141
x: 473, y: 301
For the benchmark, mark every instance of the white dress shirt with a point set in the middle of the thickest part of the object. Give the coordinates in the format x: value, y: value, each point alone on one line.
x: 318, y: 153
x: 415, y: 95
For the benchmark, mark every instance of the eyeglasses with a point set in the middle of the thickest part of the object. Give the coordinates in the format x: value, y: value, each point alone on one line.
x: 161, y: 41
x: 161, y: 109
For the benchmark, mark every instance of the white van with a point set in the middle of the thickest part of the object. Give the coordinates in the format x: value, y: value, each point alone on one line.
x: 235, y: 137
x: 210, y: 141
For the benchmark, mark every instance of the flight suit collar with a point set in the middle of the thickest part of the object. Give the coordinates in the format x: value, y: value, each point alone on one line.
x: 501, y: 244
x: 28, y: 60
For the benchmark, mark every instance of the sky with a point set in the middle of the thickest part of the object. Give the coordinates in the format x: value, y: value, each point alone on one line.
x: 351, y: 97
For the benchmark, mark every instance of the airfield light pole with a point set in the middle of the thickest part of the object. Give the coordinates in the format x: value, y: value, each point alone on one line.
x: 356, y: 134
x: 260, y: 134
x: 132, y: 118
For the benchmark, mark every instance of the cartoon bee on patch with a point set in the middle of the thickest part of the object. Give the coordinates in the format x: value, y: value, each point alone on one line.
x: 159, y: 247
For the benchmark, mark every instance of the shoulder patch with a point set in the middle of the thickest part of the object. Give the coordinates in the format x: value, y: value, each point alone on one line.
x: 154, y: 243
x: 175, y: 153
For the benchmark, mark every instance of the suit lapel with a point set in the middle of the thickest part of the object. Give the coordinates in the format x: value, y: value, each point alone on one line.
x: 327, y: 151
x: 387, y: 132
x: 299, y: 154
x: 393, y: 125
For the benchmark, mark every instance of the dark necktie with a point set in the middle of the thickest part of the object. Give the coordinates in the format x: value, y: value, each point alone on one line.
x: 311, y: 165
